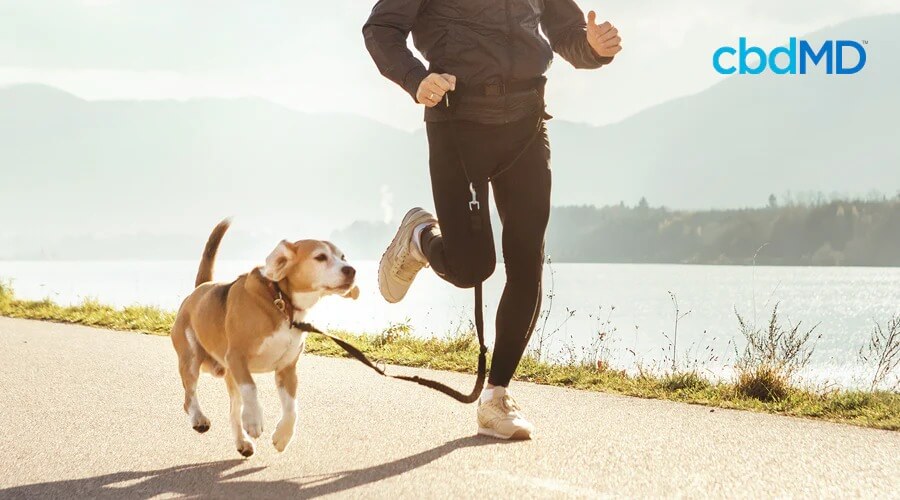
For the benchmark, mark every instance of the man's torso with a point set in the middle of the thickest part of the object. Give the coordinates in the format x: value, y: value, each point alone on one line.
x: 482, y: 42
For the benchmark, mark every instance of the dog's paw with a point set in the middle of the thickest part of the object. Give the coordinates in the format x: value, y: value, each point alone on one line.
x: 245, y: 448
x: 200, y: 423
x: 283, y: 435
x: 252, y: 419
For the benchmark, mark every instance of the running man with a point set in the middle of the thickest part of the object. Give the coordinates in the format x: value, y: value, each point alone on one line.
x: 484, y: 111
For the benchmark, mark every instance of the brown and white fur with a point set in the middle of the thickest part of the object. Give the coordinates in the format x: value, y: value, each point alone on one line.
x: 234, y: 329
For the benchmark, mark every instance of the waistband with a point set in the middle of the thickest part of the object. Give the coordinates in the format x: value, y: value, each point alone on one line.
x: 500, y: 88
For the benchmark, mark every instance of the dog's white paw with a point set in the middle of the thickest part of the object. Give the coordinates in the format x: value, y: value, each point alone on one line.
x: 283, y: 434
x: 200, y: 423
x: 245, y: 447
x: 252, y: 419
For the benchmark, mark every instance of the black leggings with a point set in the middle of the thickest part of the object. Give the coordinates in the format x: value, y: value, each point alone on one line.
x: 465, y: 257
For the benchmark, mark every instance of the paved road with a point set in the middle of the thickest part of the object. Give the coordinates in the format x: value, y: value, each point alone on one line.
x: 93, y: 413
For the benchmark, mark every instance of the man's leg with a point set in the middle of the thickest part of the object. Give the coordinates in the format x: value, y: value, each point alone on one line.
x: 465, y: 256
x: 523, y: 201
x: 456, y: 251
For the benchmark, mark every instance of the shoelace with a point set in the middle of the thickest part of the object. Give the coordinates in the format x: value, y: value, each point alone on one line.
x: 509, y: 405
x: 405, y: 267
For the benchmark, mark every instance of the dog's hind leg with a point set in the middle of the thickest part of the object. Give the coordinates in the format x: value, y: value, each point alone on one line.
x: 213, y: 367
x: 190, y: 357
x: 241, y: 439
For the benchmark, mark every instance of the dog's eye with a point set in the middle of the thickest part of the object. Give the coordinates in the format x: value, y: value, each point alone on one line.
x: 321, y: 257
x: 344, y: 258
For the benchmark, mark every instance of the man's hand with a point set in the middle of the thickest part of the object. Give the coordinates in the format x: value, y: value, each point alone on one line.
x: 603, y: 38
x: 434, y: 87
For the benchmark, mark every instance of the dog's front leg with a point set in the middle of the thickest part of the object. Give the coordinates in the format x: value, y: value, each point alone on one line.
x: 251, y: 415
x: 286, y: 381
x: 241, y: 439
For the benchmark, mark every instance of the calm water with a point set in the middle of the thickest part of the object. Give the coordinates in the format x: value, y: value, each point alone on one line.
x: 843, y: 301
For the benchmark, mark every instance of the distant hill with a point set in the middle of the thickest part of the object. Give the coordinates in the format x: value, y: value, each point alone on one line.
x: 169, y: 165
x: 733, y: 144
x: 175, y: 167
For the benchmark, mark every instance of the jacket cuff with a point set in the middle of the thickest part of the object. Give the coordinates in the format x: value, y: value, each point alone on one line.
x: 413, y: 79
x: 596, y: 58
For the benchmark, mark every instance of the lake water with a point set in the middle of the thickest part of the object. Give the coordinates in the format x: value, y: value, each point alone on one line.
x: 845, y: 302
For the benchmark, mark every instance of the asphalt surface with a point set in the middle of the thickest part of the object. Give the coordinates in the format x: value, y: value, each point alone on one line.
x: 93, y: 413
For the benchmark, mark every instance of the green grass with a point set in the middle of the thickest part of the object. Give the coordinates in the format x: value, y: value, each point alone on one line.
x: 397, y: 346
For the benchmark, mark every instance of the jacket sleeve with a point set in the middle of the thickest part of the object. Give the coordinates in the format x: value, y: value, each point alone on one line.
x: 563, y: 23
x: 385, y: 33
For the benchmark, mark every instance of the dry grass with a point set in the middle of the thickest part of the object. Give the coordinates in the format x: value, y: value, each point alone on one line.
x: 772, y: 357
x: 763, y: 383
x: 681, y: 381
x: 883, y: 351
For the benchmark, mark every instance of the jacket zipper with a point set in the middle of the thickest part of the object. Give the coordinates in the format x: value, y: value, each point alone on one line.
x: 512, y: 61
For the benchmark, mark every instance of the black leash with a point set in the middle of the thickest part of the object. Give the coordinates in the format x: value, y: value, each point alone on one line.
x: 282, y: 302
x: 433, y: 384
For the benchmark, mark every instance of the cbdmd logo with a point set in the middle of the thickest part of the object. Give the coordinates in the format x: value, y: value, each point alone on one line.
x: 796, y: 58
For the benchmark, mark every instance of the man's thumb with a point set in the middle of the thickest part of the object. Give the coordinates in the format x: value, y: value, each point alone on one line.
x: 592, y: 17
x: 451, y: 80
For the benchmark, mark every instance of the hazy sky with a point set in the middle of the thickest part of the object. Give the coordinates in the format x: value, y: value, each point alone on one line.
x: 309, y: 55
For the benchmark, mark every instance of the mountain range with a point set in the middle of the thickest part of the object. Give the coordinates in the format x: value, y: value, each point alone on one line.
x: 70, y: 166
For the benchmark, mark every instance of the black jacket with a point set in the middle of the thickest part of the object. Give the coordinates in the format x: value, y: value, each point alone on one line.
x: 480, y: 42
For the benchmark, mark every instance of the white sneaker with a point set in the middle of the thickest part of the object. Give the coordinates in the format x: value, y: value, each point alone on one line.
x: 400, y: 263
x: 501, y: 417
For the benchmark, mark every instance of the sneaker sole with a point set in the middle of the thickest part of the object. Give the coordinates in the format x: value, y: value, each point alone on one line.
x: 519, y: 435
x: 391, y: 248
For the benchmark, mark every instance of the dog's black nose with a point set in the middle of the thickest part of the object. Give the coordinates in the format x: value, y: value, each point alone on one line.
x: 348, y: 271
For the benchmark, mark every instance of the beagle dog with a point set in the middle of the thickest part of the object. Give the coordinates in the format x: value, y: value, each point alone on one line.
x: 233, y: 330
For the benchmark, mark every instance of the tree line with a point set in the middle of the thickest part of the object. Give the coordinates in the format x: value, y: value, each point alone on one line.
x: 819, y: 232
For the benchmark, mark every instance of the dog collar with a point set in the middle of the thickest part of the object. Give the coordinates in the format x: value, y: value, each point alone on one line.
x: 281, y: 300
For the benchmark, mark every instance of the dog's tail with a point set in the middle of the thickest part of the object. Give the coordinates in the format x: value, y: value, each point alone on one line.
x: 208, y: 261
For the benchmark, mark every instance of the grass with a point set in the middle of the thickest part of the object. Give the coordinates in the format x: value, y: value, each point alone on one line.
x: 395, y: 345
x: 772, y: 357
x: 764, y: 383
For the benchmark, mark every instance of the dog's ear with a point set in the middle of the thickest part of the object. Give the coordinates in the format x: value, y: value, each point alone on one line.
x: 277, y: 261
x: 352, y: 294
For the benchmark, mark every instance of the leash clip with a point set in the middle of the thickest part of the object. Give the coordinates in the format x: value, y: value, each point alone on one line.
x: 474, y: 205
x: 279, y: 304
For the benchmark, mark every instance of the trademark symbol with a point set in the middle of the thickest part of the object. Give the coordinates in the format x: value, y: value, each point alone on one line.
x: 865, y: 42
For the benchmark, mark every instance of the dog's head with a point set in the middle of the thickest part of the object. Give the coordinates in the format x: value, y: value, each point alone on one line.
x: 312, y: 267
